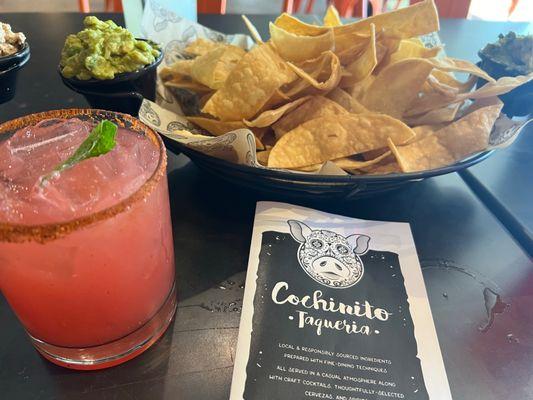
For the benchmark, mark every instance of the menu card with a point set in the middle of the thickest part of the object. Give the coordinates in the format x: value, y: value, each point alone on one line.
x: 335, y: 308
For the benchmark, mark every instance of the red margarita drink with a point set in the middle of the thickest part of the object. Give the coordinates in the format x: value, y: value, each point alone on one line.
x: 86, y: 256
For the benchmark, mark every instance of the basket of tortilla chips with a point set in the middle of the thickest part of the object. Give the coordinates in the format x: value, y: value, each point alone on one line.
x: 332, y: 109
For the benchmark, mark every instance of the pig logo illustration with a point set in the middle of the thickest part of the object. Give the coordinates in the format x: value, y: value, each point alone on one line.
x: 329, y: 258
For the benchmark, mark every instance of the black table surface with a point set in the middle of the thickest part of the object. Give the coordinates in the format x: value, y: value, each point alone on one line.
x: 465, y: 251
x: 505, y: 183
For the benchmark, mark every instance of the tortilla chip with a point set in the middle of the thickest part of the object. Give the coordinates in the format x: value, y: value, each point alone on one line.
x: 309, y: 168
x: 249, y: 85
x: 177, y: 69
x: 447, y: 78
x: 349, y: 46
x: 426, y: 154
x: 345, y: 100
x: 423, y: 131
x: 371, y: 154
x: 452, y: 143
x: 410, y: 49
x: 267, y: 118
x: 427, y: 101
x: 392, y: 95
x: 292, y: 24
x: 455, y: 65
x: 317, y: 106
x: 436, y: 116
x: 436, y: 93
x: 317, y: 68
x: 363, y: 66
x: 499, y: 87
x: 297, y: 48
x: 381, y: 52
x: 262, y: 157
x: 201, y: 46
x: 388, y: 165
x: 328, y: 138
x: 259, y: 145
x: 416, y: 20
x: 213, y: 68
x: 433, y: 85
x: 187, y: 83
x: 341, y: 97
x: 332, y: 17
x: 216, y: 127
x: 349, y: 163
x: 324, y: 76
x: 414, y: 40
x: 277, y: 98
x: 387, y: 43
x: 481, y: 103
x: 178, y: 76
x: 357, y: 91
x: 252, y: 29
x: 204, y: 98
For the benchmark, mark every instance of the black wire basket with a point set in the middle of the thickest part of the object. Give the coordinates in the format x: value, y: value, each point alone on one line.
x: 308, y: 186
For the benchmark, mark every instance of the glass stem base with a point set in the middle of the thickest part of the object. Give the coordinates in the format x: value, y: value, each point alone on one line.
x: 116, y: 352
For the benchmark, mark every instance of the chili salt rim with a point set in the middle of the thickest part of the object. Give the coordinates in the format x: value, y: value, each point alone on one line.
x: 42, y: 233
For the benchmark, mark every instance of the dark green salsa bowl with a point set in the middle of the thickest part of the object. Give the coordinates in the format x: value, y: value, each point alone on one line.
x: 511, y: 55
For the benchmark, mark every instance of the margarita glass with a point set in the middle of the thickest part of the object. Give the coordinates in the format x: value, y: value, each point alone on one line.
x: 86, y: 258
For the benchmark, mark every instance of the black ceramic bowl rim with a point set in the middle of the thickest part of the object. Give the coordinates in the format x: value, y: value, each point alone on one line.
x: 123, y: 77
x: 18, y: 58
x: 273, y: 173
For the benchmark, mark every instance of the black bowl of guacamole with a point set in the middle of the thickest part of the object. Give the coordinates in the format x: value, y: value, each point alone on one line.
x: 124, y: 93
x: 511, y: 55
x: 107, y: 65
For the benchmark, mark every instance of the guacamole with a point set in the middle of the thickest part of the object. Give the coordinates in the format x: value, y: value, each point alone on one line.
x: 511, y: 55
x: 104, y: 49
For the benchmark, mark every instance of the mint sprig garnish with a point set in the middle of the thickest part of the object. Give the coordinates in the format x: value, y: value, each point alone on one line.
x: 100, y: 141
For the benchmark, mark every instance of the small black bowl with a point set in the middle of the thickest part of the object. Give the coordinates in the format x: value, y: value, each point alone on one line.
x: 516, y: 103
x: 124, y: 93
x: 9, y: 67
